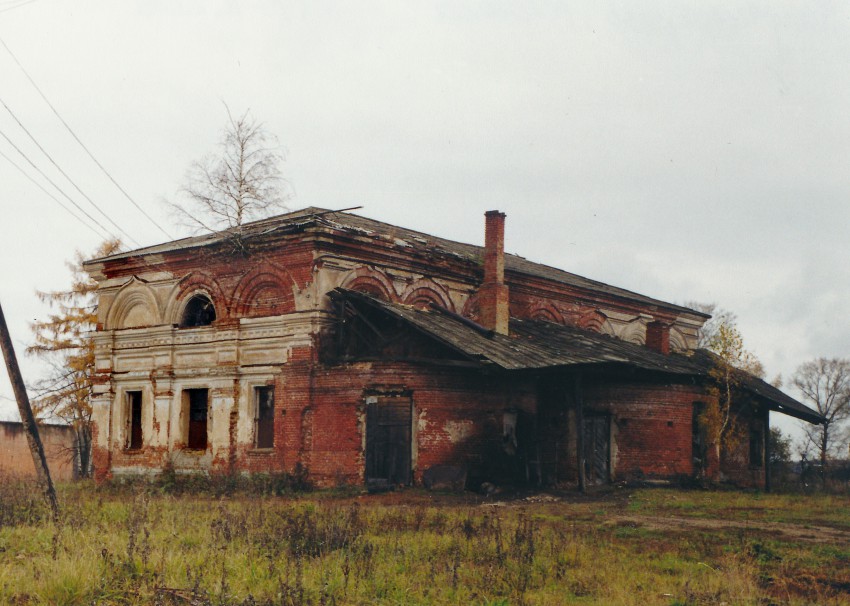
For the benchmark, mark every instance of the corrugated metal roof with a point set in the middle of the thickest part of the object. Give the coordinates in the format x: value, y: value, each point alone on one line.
x: 414, y: 240
x: 538, y: 345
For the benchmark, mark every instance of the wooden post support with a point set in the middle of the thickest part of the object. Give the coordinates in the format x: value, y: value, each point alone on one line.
x: 766, y: 430
x: 582, y: 472
x: 27, y: 418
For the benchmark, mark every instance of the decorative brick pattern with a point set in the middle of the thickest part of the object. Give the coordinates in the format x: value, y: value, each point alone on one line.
x: 272, y: 315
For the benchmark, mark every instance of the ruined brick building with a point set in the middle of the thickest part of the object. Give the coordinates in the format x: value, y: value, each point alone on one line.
x: 362, y: 352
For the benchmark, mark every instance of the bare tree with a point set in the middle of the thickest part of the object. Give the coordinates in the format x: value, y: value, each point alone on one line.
x: 241, y: 182
x: 825, y: 384
x: 719, y: 317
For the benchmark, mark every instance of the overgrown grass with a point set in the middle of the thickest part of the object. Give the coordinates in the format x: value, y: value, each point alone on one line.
x: 137, y: 544
x: 825, y: 509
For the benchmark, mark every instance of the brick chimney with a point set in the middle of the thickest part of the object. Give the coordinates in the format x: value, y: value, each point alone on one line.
x: 658, y: 337
x: 493, y: 292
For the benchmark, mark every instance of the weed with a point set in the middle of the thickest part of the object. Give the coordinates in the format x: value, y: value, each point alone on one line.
x: 138, y: 544
x: 21, y: 503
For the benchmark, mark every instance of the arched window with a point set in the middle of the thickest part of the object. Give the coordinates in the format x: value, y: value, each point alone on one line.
x: 199, y: 311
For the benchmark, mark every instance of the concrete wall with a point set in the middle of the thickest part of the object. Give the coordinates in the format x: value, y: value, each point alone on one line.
x: 15, y: 457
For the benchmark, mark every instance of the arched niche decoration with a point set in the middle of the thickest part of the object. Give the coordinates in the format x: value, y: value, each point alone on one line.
x: 424, y: 292
x: 608, y: 329
x: 371, y: 282
x: 263, y: 293
x: 596, y: 321
x: 634, y: 332
x: 678, y: 342
x: 195, y: 283
x: 472, y: 309
x: 134, y: 306
x: 545, y: 312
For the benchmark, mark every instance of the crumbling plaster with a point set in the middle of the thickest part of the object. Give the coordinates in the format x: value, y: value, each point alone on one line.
x: 140, y: 345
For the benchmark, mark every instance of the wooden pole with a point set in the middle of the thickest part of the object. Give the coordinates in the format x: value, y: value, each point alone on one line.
x: 767, y: 478
x: 582, y: 480
x: 27, y: 418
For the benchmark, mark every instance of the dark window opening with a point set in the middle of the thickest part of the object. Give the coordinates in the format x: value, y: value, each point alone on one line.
x: 756, y: 447
x: 264, y: 417
x: 199, y: 311
x: 134, y: 420
x: 198, y: 414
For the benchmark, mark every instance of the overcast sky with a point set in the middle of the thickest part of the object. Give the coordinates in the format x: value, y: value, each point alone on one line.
x: 689, y: 151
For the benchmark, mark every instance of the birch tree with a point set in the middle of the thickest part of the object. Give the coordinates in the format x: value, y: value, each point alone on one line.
x: 731, y: 361
x: 719, y: 317
x: 241, y: 182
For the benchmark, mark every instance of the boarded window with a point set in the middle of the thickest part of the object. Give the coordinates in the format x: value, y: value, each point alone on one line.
x: 264, y: 417
x: 199, y: 311
x: 134, y: 420
x: 198, y: 404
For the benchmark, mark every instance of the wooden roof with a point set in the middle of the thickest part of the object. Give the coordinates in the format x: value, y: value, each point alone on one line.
x: 540, y: 345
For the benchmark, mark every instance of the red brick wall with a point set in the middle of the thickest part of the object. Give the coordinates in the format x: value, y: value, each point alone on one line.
x: 457, y: 416
x: 735, y: 464
x: 652, y: 425
x: 260, y: 284
x: 319, y: 419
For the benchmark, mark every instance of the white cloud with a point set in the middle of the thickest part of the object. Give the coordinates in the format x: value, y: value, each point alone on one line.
x: 687, y: 151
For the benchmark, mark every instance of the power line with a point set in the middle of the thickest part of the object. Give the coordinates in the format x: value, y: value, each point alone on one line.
x: 57, y: 200
x: 19, y: 5
x: 59, y: 189
x: 77, y: 139
x: 70, y: 180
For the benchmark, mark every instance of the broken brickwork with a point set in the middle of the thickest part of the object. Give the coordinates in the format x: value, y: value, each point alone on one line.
x: 195, y: 330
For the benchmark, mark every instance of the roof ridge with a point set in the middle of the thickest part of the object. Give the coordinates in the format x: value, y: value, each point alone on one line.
x: 344, y: 219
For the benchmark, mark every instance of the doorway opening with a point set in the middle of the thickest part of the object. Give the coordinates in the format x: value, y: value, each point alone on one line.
x: 389, y: 428
x: 597, y: 448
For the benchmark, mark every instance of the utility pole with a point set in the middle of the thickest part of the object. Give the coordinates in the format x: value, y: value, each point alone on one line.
x: 27, y: 418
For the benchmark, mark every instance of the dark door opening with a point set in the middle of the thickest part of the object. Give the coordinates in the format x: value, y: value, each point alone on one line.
x: 198, y: 414
x: 388, y: 441
x: 597, y: 448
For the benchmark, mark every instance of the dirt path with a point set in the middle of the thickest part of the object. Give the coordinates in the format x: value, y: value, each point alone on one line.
x: 786, y: 531
x: 783, y: 530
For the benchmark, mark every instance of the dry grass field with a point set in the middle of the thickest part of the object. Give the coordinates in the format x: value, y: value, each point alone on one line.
x: 180, y: 542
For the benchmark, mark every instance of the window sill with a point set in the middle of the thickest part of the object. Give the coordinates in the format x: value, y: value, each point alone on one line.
x: 194, y: 451
x: 261, y: 451
x: 133, y: 451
